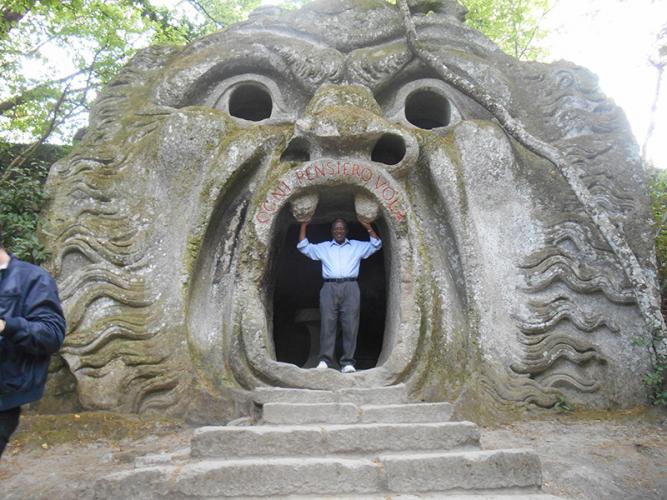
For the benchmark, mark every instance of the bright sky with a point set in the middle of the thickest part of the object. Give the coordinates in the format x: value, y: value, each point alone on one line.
x: 614, y: 39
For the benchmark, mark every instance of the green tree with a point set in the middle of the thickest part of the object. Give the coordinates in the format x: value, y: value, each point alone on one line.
x: 21, y: 198
x: 514, y: 25
x: 219, y: 14
x: 94, y: 38
x: 656, y: 380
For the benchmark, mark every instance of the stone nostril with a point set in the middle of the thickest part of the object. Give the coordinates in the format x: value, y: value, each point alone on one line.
x: 298, y: 149
x: 389, y: 149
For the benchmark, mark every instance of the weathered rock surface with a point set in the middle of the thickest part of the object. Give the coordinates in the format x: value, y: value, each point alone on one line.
x: 303, y: 207
x: 173, y: 239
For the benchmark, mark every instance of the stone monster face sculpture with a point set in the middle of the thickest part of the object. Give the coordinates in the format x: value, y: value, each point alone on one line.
x: 175, y: 221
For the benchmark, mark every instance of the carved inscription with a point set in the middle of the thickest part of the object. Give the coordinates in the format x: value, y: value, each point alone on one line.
x: 315, y: 172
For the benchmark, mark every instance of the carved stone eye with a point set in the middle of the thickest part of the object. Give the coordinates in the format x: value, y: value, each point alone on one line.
x: 426, y: 103
x: 427, y: 109
x: 250, y: 98
x: 250, y: 101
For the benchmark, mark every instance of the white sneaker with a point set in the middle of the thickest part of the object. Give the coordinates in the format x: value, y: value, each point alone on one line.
x: 348, y: 369
x: 322, y: 366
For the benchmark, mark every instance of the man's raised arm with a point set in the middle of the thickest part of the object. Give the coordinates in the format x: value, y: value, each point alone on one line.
x: 302, y: 231
x: 304, y: 246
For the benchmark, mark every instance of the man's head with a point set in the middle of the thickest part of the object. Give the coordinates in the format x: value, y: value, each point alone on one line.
x: 339, y: 230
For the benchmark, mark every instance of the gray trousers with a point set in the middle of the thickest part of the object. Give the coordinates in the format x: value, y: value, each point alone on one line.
x: 339, y: 301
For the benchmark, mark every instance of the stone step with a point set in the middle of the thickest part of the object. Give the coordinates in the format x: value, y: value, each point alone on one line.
x: 395, y: 394
x: 349, y: 413
x: 490, y: 470
x: 479, y: 495
x: 517, y: 471
x: 313, y: 440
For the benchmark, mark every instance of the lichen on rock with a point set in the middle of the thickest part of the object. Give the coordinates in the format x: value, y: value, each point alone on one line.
x: 173, y: 224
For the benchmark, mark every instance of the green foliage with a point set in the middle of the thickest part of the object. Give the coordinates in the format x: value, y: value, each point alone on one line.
x: 91, y: 38
x: 656, y: 383
x: 563, y: 405
x: 512, y: 24
x: 656, y: 380
x: 84, y: 43
x: 658, y: 193
x: 21, y: 199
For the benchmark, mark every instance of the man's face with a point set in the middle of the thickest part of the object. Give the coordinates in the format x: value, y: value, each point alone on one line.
x: 339, y: 232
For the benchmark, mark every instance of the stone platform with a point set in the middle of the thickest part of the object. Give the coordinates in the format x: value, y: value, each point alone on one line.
x: 352, y: 443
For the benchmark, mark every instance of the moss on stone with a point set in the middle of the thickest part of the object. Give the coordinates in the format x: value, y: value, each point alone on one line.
x: 89, y: 427
x: 192, y: 253
x: 331, y: 96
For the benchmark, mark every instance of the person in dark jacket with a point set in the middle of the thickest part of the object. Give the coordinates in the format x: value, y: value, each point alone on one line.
x: 32, y: 327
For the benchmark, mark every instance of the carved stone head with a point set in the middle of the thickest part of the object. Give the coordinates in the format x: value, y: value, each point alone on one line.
x: 174, y: 223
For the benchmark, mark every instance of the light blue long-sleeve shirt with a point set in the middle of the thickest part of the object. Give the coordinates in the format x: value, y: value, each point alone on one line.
x: 340, y: 260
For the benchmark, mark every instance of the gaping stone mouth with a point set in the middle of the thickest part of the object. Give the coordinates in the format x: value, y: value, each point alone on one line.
x: 295, y: 281
x: 277, y: 304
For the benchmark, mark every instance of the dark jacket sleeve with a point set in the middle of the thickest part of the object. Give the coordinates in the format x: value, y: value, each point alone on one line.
x: 41, y: 328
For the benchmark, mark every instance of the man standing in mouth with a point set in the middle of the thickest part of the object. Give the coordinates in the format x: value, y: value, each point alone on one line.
x: 339, y: 296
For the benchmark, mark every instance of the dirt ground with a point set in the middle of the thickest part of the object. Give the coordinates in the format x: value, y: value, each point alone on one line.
x: 610, y: 455
x: 595, y: 455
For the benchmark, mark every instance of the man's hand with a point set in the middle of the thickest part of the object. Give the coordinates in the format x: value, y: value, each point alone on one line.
x: 369, y: 228
x: 2, y: 326
x: 302, y: 230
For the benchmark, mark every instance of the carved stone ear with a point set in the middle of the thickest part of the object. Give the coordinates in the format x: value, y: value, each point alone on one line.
x: 303, y: 207
x: 366, y: 208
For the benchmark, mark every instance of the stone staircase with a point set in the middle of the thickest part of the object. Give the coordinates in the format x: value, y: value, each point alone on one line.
x: 350, y: 443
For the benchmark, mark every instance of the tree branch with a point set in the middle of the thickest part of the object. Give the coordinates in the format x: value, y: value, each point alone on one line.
x: 660, y: 67
x: 25, y: 155
x: 10, y: 18
x: 56, y: 120
x: 207, y: 14
x: 14, y: 101
x: 534, y: 31
x: 647, y: 302
x: 515, y: 29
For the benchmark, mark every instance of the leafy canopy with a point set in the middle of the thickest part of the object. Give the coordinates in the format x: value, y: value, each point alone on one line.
x: 514, y: 25
x: 56, y: 55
